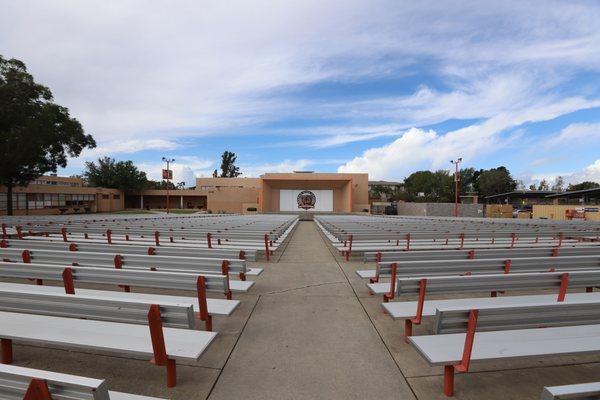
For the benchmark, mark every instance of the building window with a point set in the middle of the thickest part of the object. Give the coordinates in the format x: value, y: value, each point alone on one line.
x: 105, y: 197
x: 116, y: 196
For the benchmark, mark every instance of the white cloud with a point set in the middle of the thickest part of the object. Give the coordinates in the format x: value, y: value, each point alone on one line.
x: 577, y: 133
x: 419, y: 149
x: 589, y: 173
x: 189, y: 68
x: 129, y: 146
x: 185, y: 169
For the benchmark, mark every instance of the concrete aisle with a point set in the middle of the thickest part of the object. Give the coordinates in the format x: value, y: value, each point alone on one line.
x: 309, y: 336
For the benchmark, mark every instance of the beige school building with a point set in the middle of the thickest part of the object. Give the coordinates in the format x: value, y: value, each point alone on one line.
x: 269, y: 193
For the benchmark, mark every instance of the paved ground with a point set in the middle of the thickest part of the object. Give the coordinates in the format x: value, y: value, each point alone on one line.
x: 310, y: 330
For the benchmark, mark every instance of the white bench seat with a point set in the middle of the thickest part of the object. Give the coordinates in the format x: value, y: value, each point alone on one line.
x: 378, y: 288
x: 14, y: 381
x: 447, y: 349
x: 222, y: 307
x: 241, y: 286
x: 408, y: 309
x: 181, y: 344
x: 254, y: 271
x: 366, y: 273
x: 577, y: 391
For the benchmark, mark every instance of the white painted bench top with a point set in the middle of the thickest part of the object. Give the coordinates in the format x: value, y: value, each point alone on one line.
x: 408, y: 309
x: 379, y: 287
x: 181, y: 344
x: 497, y: 345
x: 66, y: 380
x: 366, y: 273
x: 576, y: 391
x: 240, y: 286
x: 215, y: 306
x: 254, y: 271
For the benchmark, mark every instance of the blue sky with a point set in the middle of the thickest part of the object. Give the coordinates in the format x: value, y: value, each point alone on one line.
x: 384, y: 87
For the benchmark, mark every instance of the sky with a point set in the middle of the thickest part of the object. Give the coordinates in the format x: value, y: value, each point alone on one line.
x: 384, y: 87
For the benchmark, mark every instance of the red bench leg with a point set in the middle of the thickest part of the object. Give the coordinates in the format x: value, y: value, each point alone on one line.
x: 449, y: 380
x: 7, y: 353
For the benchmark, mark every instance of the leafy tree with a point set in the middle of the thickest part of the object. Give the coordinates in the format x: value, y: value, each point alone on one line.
x: 583, y: 186
x: 543, y: 185
x: 558, y: 185
x: 36, y: 134
x: 122, y: 175
x: 181, y: 185
x: 532, y: 187
x: 160, y: 185
x: 467, y: 180
x: 378, y: 190
x: 494, y: 181
x: 228, y: 168
x: 435, y: 186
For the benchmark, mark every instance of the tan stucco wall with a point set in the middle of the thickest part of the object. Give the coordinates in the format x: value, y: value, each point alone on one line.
x: 350, y: 191
x: 228, y: 182
x: 231, y: 199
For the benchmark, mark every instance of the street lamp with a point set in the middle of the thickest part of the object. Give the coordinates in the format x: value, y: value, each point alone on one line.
x: 167, y: 175
x: 456, y: 184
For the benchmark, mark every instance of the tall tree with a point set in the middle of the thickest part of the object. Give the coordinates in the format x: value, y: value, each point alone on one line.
x: 494, y: 181
x: 559, y: 184
x: 228, y: 168
x: 429, y: 186
x: 467, y: 180
x: 543, y: 185
x: 583, y: 186
x: 122, y: 175
x: 36, y: 134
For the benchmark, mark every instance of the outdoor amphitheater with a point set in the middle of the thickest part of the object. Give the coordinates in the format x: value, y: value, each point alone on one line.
x: 335, y: 306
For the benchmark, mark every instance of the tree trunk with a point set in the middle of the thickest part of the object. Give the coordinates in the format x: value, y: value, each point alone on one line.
x: 9, y: 200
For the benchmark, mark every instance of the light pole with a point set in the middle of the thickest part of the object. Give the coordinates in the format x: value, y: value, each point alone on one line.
x: 167, y: 174
x: 456, y: 184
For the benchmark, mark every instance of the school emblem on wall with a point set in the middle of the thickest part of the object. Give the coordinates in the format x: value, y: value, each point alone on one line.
x: 306, y: 199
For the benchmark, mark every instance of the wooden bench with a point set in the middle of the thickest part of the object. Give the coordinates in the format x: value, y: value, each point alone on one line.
x: 583, y: 391
x: 53, y: 243
x: 581, y: 249
x: 106, y: 261
x: 200, y: 284
x: 163, y: 345
x: 21, y: 383
x: 483, y: 266
x: 413, y: 312
x: 492, y: 334
x: 113, y: 260
x: 99, y: 308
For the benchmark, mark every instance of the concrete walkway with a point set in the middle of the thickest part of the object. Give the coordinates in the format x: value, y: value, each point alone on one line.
x: 309, y: 336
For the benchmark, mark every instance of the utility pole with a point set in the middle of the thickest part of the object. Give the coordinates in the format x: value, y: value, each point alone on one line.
x: 456, y: 184
x: 168, y: 175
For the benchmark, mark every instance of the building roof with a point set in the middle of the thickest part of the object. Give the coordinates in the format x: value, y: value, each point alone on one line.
x: 385, y: 183
x: 523, y: 194
x: 576, y: 193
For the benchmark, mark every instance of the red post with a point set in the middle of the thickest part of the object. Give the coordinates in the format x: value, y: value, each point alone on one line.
x: 203, y: 314
x: 37, y: 390
x: 471, y: 254
x: 469, y: 340
x: 242, y: 255
x: 507, y: 265
x: 390, y: 296
x: 158, y: 345
x: 72, y: 247
x: 448, y: 380
x: 4, y: 234
x: 209, y: 240
x: 157, y: 238
x: 151, y: 251
x: 554, y: 252
x: 26, y: 256
x: 225, y: 272
x: 564, y: 284
x: 3, y: 244
x: 513, y: 239
x: 68, y: 284
x: 462, y: 240
x: 63, y: 231
x: 267, y: 251
x: 109, y: 236
x: 560, y: 239
x: 419, y: 314
x: 349, y: 251
x: 7, y: 352
x: 118, y: 260
x: 19, y: 232
x: 407, y: 241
